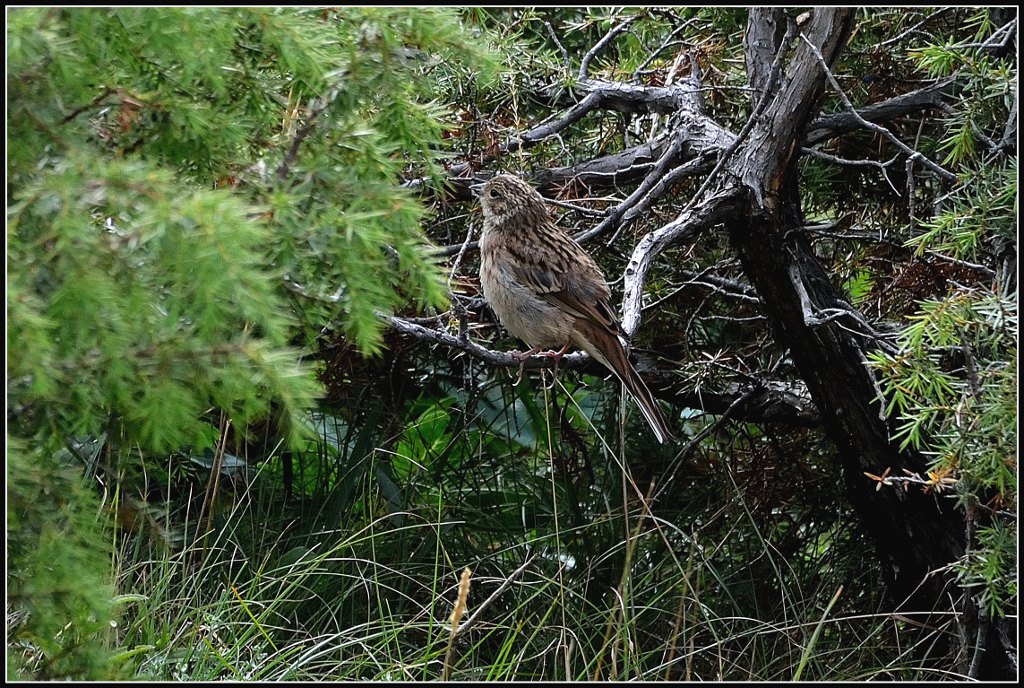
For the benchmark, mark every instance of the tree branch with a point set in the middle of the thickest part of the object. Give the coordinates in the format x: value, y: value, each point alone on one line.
x: 830, y: 126
x: 771, y: 401
x: 686, y: 226
x: 576, y: 360
x: 913, y: 154
x: 608, y: 38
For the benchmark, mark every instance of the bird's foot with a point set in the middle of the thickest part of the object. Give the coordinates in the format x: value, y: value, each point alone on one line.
x: 522, y: 357
x: 557, y: 355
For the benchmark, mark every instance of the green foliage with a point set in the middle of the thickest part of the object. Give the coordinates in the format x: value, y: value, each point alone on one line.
x: 988, y: 86
x: 965, y: 417
x: 151, y: 307
x: 309, y: 116
x: 203, y: 200
x: 194, y: 196
x: 59, y: 597
x: 981, y: 217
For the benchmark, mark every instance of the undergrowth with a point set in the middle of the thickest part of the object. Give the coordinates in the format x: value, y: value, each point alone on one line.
x: 585, y: 562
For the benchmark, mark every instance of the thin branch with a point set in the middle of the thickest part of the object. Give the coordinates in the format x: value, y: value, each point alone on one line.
x: 687, y: 225
x: 722, y: 285
x: 882, y: 166
x: 537, y: 134
x: 608, y: 38
x: 458, y: 307
x: 990, y: 42
x: 656, y: 173
x: 577, y: 208
x: 91, y: 104
x: 915, y: 27
x: 303, y: 133
x: 554, y: 37
x: 984, y: 270
x: 670, y: 40
x: 644, y: 197
x: 475, y: 616
x: 829, y: 126
x: 915, y: 155
x: 847, y: 162
x: 575, y: 360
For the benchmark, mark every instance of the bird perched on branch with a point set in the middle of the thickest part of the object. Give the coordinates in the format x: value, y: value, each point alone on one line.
x: 547, y: 291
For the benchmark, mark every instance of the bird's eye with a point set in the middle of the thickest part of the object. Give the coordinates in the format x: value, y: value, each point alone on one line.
x: 493, y: 193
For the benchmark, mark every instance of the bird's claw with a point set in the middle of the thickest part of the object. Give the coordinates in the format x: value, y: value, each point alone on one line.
x: 523, y: 356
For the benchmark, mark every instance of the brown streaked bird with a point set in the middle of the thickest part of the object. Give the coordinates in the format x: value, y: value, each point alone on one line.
x: 547, y: 291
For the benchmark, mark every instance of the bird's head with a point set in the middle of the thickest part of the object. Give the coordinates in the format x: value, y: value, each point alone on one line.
x: 508, y: 199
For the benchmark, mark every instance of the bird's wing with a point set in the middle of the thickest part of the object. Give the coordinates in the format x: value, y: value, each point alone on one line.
x: 568, y: 278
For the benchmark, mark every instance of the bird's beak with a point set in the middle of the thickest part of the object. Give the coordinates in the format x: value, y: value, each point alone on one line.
x: 476, y: 189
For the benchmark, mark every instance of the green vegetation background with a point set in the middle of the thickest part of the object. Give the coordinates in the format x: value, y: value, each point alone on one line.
x: 205, y: 222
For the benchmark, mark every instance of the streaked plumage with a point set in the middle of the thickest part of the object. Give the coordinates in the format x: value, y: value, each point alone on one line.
x: 548, y: 291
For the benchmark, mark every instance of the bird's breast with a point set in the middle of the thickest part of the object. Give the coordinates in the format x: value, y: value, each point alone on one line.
x: 522, y: 311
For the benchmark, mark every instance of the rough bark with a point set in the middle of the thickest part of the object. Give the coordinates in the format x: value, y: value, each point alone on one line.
x: 916, y: 535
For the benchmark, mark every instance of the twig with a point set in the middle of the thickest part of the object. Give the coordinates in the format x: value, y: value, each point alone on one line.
x: 665, y: 44
x: 575, y: 360
x: 462, y: 252
x: 986, y: 271
x: 303, y: 133
x: 590, y: 102
x: 608, y: 37
x: 726, y: 287
x: 656, y: 173
x: 989, y: 43
x: 565, y: 53
x: 914, y: 155
x: 915, y: 27
x: 854, y: 163
x: 91, y: 104
x: 577, y: 208
x: 641, y: 200
x: 457, y: 306
x: 476, y: 615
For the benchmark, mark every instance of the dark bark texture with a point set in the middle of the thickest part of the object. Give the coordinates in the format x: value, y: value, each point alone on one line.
x: 917, y: 535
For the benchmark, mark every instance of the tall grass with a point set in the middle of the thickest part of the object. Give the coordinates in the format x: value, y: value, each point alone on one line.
x: 576, y: 573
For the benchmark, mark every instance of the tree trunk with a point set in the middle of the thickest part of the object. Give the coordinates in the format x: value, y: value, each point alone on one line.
x: 916, y: 534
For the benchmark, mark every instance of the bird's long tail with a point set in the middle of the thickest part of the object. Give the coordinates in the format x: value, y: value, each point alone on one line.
x: 648, y: 405
x: 614, y: 356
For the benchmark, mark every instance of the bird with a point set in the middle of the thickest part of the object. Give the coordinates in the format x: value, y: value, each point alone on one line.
x: 547, y: 290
